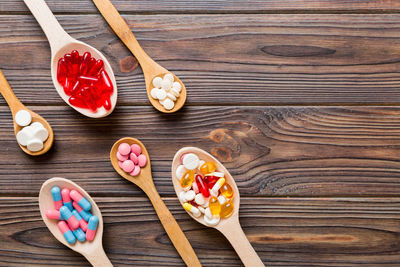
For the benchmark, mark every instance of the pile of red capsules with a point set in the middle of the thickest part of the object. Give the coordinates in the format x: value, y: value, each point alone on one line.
x: 85, y: 81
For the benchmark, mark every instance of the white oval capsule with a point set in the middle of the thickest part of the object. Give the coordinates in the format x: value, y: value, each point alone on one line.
x: 218, y: 174
x: 192, y: 209
x: 23, y: 118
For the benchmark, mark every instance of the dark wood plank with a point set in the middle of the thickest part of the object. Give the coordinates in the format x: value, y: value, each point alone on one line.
x: 282, y: 151
x: 284, y: 232
x: 227, y: 59
x: 210, y: 6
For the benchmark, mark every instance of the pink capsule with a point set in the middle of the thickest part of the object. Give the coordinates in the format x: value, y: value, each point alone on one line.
x: 92, y: 228
x: 69, y: 236
x: 54, y: 214
x: 78, y: 198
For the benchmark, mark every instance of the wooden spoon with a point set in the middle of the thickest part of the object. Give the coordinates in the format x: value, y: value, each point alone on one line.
x: 92, y: 250
x: 62, y: 43
x: 151, y: 69
x: 145, y: 181
x: 229, y: 227
x: 15, y: 106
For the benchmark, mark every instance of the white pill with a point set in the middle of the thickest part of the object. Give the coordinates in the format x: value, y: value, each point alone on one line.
x: 157, y: 82
x: 171, y: 96
x: 24, y: 136
x: 218, y: 174
x: 205, y: 205
x: 180, y: 171
x: 161, y: 94
x: 201, y: 209
x: 34, y: 145
x: 201, y: 162
x: 190, y: 161
x: 208, y: 213
x: 169, y: 77
x: 195, y: 187
x: 154, y: 92
x: 211, y: 221
x: 23, y: 118
x: 40, y: 133
x: 221, y: 200
x: 168, y: 104
x: 199, y: 199
x: 182, y: 196
x: 190, y: 195
x: 36, y: 124
x: 177, y: 86
x: 175, y: 92
x: 166, y: 84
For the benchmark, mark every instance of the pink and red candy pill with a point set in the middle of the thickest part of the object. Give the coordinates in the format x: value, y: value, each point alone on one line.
x: 75, y: 226
x: 85, y: 81
x: 131, y: 159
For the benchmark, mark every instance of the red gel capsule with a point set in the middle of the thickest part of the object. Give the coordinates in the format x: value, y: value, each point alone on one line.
x: 67, y: 86
x: 75, y: 57
x: 75, y: 88
x: 88, y: 99
x: 210, y: 180
x: 106, y: 81
x: 94, y: 71
x: 68, y: 58
x: 61, y: 70
x: 83, y: 68
x: 202, y: 185
x: 87, y: 79
x: 107, y: 103
x: 77, y: 102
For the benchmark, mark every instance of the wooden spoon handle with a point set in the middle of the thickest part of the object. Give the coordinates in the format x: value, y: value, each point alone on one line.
x: 172, y: 228
x: 54, y: 32
x: 99, y: 258
x: 234, y: 233
x: 8, y: 94
x: 121, y: 28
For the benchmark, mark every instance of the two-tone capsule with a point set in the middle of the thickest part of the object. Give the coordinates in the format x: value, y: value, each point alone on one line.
x: 192, y: 209
x: 79, y: 234
x: 92, y: 227
x: 54, y: 214
x: 71, y: 219
x: 56, y: 194
x: 66, y: 199
x: 83, y: 224
x: 217, y: 186
x: 78, y: 198
x: 84, y: 214
x: 69, y: 236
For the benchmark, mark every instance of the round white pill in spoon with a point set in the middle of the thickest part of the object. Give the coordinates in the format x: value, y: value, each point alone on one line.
x: 23, y: 118
x: 35, y: 145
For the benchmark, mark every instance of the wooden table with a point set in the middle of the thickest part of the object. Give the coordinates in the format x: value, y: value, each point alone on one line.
x: 297, y: 98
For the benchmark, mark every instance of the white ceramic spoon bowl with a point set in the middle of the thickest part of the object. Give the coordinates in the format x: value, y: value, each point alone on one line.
x: 62, y: 43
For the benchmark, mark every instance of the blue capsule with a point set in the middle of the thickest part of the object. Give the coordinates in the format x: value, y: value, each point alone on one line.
x: 80, y: 235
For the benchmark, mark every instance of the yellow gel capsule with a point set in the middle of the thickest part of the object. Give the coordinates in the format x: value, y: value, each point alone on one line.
x: 208, y: 167
x: 226, y: 209
x: 215, y: 206
x: 187, y: 178
x: 226, y: 190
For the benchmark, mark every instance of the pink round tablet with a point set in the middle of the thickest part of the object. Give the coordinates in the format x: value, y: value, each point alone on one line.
x: 134, y: 158
x: 120, y: 164
x: 121, y: 157
x: 128, y: 165
x: 136, y: 171
x: 182, y: 158
x: 135, y: 148
x: 124, y: 149
x: 142, y: 160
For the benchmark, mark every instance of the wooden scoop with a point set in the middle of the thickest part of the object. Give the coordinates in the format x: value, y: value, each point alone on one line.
x: 92, y: 250
x: 229, y: 227
x: 15, y: 106
x: 62, y: 43
x: 150, y: 68
x: 145, y: 181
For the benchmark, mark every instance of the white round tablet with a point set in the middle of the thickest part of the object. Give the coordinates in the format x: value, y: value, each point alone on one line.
x: 168, y: 104
x: 161, y: 94
x: 36, y: 124
x: 154, y: 92
x: 211, y: 221
x: 180, y: 171
x: 169, y: 77
x: 166, y: 84
x: 199, y: 199
x: 175, y: 92
x: 157, y: 82
x: 40, y: 133
x: 190, y: 161
x: 182, y: 196
x: 23, y: 118
x: 24, y: 136
x: 171, y: 96
x: 177, y: 86
x: 35, y: 145
x: 190, y: 195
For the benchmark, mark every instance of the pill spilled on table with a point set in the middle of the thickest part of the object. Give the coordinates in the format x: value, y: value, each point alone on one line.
x: 73, y: 212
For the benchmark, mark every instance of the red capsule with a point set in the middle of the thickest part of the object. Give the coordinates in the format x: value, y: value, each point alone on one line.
x: 88, y: 99
x: 75, y: 57
x: 203, y: 187
x: 210, y: 180
x: 94, y: 71
x: 106, y: 81
x: 75, y: 88
x: 67, y: 86
x: 88, y: 79
x: 61, y: 70
x: 107, y: 103
x: 77, y: 102
x: 83, y: 68
x: 68, y: 58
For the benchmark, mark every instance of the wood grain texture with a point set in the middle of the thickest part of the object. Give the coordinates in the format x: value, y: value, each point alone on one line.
x: 308, y: 59
x: 284, y: 232
x: 210, y: 6
x: 282, y: 151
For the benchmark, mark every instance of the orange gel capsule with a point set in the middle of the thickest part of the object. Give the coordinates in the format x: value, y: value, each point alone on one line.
x: 187, y: 178
x: 215, y: 206
x: 226, y: 210
x: 208, y: 167
x: 226, y: 190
